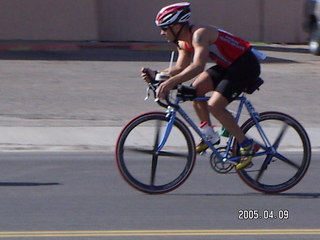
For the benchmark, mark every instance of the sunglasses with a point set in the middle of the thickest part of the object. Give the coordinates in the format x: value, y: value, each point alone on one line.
x: 164, y: 28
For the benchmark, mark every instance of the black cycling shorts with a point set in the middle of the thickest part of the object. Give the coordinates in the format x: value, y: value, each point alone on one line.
x: 233, y: 80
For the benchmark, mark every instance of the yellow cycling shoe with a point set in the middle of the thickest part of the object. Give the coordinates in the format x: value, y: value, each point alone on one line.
x: 247, y: 155
x: 201, y: 147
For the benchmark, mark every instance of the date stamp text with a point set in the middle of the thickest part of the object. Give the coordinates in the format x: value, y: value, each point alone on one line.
x: 255, y: 214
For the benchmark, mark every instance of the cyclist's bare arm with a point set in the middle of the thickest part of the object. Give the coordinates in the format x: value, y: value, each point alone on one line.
x: 184, y: 69
x: 200, y: 43
x: 184, y: 59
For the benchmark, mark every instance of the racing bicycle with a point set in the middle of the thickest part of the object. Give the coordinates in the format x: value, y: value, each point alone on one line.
x: 155, y: 152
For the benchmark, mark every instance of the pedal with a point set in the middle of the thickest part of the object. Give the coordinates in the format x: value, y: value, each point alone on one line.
x: 203, y: 153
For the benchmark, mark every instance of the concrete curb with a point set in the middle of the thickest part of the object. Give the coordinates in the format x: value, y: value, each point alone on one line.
x: 143, y: 46
x: 70, y: 46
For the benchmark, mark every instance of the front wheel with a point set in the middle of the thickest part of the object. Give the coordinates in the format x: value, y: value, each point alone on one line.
x: 282, y: 165
x: 146, y: 167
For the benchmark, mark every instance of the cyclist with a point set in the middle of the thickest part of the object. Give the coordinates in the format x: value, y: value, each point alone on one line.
x: 236, y: 67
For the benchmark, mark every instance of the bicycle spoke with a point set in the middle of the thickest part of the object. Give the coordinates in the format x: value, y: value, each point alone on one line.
x: 153, y: 168
x: 280, y: 136
x: 172, y: 154
x: 155, y: 153
x: 263, y: 168
x: 157, y: 135
x: 286, y: 160
x: 260, y: 174
x: 139, y: 150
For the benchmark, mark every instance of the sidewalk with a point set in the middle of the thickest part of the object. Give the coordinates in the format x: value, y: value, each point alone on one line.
x: 81, y: 138
x: 58, y: 138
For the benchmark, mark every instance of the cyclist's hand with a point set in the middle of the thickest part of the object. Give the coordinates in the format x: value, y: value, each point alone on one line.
x: 147, y: 73
x: 164, y: 89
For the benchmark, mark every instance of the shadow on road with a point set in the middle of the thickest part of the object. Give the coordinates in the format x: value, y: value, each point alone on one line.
x: 25, y: 184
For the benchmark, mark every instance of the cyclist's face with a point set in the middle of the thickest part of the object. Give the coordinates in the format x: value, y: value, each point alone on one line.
x: 167, y: 33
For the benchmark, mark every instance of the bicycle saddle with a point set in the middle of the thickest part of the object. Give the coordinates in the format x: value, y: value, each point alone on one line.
x: 253, y: 86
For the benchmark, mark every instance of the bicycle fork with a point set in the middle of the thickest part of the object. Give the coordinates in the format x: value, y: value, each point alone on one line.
x: 171, y: 115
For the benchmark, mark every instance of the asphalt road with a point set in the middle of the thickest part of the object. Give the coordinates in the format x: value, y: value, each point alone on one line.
x: 80, y: 195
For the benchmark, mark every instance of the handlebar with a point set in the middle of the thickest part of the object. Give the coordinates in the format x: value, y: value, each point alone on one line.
x: 153, y: 81
x: 184, y: 92
x: 153, y: 85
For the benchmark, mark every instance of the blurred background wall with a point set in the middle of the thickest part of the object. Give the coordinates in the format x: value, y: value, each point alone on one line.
x: 268, y: 21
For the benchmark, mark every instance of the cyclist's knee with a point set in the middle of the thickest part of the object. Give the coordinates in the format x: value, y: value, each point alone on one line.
x: 217, y: 104
x: 215, y: 108
x: 203, y: 84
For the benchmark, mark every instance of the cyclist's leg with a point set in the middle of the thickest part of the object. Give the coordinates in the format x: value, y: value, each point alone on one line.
x: 236, y: 78
x: 217, y: 106
x: 206, y: 82
x: 222, y: 96
x: 203, y: 84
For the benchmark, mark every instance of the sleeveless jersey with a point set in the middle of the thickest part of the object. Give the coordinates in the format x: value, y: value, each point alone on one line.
x: 226, y: 49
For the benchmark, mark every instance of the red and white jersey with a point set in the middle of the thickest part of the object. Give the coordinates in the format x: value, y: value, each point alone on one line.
x: 226, y: 49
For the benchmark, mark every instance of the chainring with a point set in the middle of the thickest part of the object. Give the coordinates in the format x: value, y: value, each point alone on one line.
x: 219, y: 166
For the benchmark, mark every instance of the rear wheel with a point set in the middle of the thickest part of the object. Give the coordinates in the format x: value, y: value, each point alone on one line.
x: 279, y: 170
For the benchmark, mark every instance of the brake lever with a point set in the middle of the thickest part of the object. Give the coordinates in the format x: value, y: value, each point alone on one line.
x: 147, y: 94
x: 153, y: 88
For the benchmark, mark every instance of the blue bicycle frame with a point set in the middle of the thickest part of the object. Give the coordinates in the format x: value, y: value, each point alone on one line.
x: 172, y: 110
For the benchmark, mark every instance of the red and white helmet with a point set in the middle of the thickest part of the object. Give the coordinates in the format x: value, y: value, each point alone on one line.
x: 174, y: 13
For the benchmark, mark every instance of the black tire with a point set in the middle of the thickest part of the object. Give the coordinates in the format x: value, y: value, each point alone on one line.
x: 142, y: 166
x: 275, y: 173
